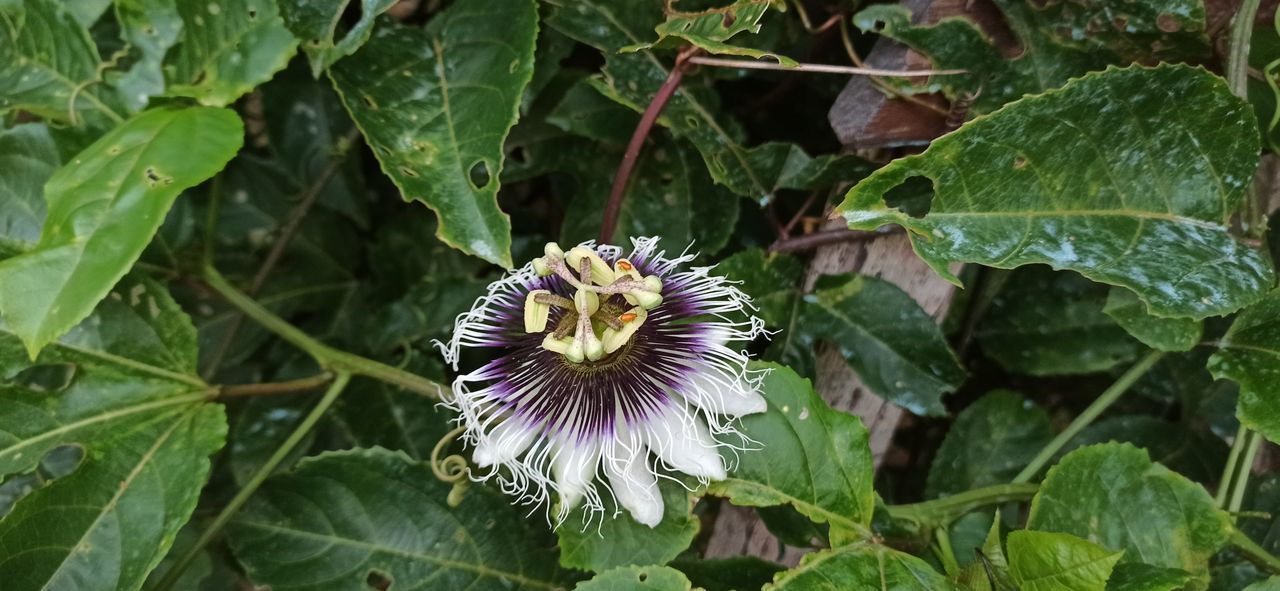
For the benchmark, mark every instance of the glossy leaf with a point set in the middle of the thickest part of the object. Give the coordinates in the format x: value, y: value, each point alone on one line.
x: 315, y: 22
x: 1134, y: 576
x: 344, y: 515
x: 813, y: 458
x: 1165, y: 334
x: 28, y: 157
x: 48, y: 64
x: 709, y: 29
x: 1077, y: 197
x: 619, y: 540
x: 990, y: 441
x: 435, y: 104
x: 227, y: 48
x: 894, y: 346
x: 128, y: 400
x: 1194, y: 453
x: 860, y: 566
x: 1112, y: 494
x: 636, y: 578
x: 1271, y: 584
x: 1045, y: 561
x: 1044, y: 322
x: 103, y: 208
x: 1249, y: 354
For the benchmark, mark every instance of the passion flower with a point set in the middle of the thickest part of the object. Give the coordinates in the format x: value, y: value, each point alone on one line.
x: 612, y: 371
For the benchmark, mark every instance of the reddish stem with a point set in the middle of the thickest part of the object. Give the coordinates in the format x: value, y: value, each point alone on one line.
x: 825, y: 237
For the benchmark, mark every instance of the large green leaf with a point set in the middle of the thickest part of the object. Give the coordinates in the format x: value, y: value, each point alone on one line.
x: 126, y: 398
x: 1271, y: 584
x: 1044, y: 322
x: 1113, y: 495
x: 1194, y: 453
x: 104, y: 207
x: 812, y: 457
x: 1165, y: 334
x: 48, y: 63
x: 1046, y: 561
x: 895, y: 347
x: 343, y: 517
x: 860, y: 566
x: 227, y: 48
x: 635, y: 578
x: 315, y: 22
x: 436, y: 104
x: 620, y: 540
x: 28, y: 157
x: 1105, y: 177
x: 1249, y: 354
x: 989, y: 443
x: 151, y: 27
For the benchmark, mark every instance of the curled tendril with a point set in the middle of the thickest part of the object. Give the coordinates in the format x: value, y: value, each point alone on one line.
x: 451, y: 468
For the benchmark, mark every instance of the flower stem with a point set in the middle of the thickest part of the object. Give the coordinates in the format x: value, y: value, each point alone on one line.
x: 1090, y: 414
x: 943, y: 511
x: 328, y: 357
x: 1254, y: 553
x: 946, y: 555
x: 1229, y: 471
x: 1244, y: 471
x: 219, y: 522
x: 1238, y: 48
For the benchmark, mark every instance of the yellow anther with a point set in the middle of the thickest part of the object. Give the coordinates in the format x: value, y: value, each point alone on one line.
x: 553, y: 250
x: 576, y: 352
x: 536, y: 313
x: 586, y: 302
x: 624, y: 268
x: 561, y: 346
x: 653, y: 283
x: 601, y: 272
x: 645, y: 299
x: 615, y: 339
x: 541, y: 268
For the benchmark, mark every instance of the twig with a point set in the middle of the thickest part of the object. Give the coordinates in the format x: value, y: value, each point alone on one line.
x: 808, y: 24
x: 817, y: 68
x: 824, y: 237
x: 795, y: 219
x: 274, y: 388
x: 879, y: 82
x: 609, y: 223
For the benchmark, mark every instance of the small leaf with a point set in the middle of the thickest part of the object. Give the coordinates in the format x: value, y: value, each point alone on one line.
x: 49, y: 64
x: 620, y: 540
x: 341, y: 517
x: 1135, y: 576
x: 860, y: 566
x: 637, y: 578
x: 436, y: 104
x: 1249, y: 354
x: 227, y: 48
x: 316, y: 24
x: 895, y: 347
x: 709, y: 29
x: 104, y: 207
x: 1114, y: 495
x: 1044, y: 561
x: 1078, y: 197
x: 989, y: 443
x: 812, y: 457
x: 1165, y: 334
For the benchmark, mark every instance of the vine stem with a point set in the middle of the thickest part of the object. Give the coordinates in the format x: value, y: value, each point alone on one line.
x: 328, y: 357
x: 619, y: 189
x: 1254, y: 216
x: 274, y: 388
x: 1229, y: 470
x: 1244, y: 471
x: 335, y: 389
x: 817, y: 68
x: 1254, y: 553
x: 1103, y: 402
x: 943, y: 511
x: 825, y: 237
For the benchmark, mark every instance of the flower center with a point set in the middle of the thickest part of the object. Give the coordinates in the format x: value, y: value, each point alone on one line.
x: 596, y: 322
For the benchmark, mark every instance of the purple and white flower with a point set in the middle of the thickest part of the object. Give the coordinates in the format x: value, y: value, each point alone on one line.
x: 611, y: 372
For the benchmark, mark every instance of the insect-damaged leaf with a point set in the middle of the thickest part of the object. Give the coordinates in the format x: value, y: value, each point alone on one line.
x: 1249, y: 355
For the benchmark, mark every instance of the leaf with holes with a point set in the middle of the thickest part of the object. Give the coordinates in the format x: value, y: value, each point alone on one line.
x: 315, y: 22
x: 227, y: 47
x: 152, y: 28
x: 635, y: 578
x: 436, y: 104
x: 1104, y: 177
x: 119, y: 392
x: 815, y: 458
x: 370, y: 514
x: 1249, y: 354
x: 104, y: 207
x: 860, y: 566
x: 710, y: 29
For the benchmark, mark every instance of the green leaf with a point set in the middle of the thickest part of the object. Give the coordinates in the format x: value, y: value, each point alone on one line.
x: 152, y: 28
x: 989, y: 443
x: 737, y: 573
x: 1271, y: 584
x: 227, y: 48
x: 812, y: 457
x: 127, y: 401
x: 315, y: 22
x: 620, y: 540
x: 1165, y: 334
x: 636, y: 578
x: 1058, y: 40
x: 49, y: 64
x: 1124, y: 190
x: 1136, y: 576
x: 342, y: 517
x: 104, y: 207
x: 709, y: 29
x: 436, y: 104
x: 1045, y: 561
x: 28, y: 157
x: 860, y: 566
x: 1194, y: 453
x: 1113, y: 495
x: 1044, y: 322
x: 895, y: 347
x: 772, y: 281
x: 1249, y: 354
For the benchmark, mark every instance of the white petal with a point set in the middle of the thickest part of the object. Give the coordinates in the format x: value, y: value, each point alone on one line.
x: 724, y: 395
x: 574, y: 466
x: 635, y: 486
x: 503, y: 443
x: 685, y: 446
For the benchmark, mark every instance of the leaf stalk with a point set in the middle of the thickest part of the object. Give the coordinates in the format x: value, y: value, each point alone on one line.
x: 941, y: 512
